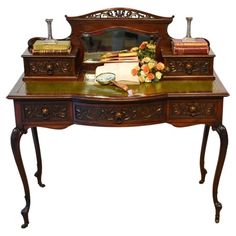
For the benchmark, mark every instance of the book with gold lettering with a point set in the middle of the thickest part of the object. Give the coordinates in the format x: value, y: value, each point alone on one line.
x: 190, y: 46
x: 43, y: 46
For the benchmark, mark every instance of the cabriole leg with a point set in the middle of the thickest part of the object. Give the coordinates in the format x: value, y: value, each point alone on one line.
x: 221, y: 130
x: 38, y: 173
x: 15, y: 144
x: 202, y: 155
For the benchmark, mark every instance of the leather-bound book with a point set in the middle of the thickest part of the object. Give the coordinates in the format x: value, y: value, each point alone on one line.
x: 190, y: 46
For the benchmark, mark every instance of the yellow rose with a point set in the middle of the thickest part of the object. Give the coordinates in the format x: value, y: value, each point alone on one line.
x: 146, y: 60
x: 134, y: 49
x: 158, y: 75
x: 151, y: 64
x: 147, y: 80
x: 141, y: 79
x: 151, y: 46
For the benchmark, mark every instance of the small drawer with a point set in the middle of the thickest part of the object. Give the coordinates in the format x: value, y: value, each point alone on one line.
x: 48, y: 67
x: 193, y: 110
x: 45, y: 112
x: 120, y: 114
x: 188, y: 66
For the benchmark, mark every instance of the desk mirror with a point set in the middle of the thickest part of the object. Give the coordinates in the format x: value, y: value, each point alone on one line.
x: 112, y: 40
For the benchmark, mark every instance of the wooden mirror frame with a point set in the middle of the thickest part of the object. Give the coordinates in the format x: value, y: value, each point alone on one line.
x: 124, y: 18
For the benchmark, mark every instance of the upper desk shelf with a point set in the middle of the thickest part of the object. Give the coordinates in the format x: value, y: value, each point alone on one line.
x: 112, y: 31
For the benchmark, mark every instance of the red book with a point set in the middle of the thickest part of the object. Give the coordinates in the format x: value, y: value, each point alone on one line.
x: 190, y: 50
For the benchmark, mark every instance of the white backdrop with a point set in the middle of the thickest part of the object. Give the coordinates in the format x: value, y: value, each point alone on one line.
x: 144, y: 181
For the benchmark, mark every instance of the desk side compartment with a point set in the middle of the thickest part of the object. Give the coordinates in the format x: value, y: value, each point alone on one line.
x: 188, y: 67
x: 51, y: 66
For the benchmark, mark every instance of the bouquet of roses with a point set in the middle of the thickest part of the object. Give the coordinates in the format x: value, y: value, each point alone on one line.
x: 148, y: 70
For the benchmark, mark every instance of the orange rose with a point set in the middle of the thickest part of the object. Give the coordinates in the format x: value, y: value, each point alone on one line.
x: 150, y: 76
x: 145, y: 69
x: 134, y: 71
x: 160, y: 66
x: 143, y: 45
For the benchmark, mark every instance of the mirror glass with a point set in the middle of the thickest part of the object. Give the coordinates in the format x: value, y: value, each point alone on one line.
x: 112, y: 40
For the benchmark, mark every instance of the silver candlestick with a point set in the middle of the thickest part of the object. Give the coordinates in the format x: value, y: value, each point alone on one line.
x: 188, y: 34
x: 50, y: 38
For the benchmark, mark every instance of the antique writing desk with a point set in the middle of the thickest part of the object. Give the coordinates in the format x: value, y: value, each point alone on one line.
x: 48, y: 96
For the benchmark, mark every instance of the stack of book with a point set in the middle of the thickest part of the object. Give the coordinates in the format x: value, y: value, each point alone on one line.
x: 190, y: 46
x: 46, y: 46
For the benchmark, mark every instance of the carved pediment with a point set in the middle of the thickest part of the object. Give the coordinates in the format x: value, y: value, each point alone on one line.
x: 119, y: 13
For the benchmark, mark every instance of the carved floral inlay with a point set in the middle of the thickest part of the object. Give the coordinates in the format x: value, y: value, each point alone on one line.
x: 119, y: 114
x: 189, y: 66
x: 193, y: 109
x: 50, y: 67
x: 45, y: 111
x: 119, y: 13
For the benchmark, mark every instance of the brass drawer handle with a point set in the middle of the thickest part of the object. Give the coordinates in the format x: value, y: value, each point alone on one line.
x: 45, y: 112
x: 194, y: 111
x: 189, y: 68
x: 50, y: 69
x: 118, y: 117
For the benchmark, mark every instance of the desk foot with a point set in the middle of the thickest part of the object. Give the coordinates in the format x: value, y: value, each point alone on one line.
x: 221, y: 130
x: 203, y: 175
x: 202, y: 155
x: 38, y: 173
x: 38, y: 176
x: 218, y: 207
x: 25, y: 212
x: 15, y: 144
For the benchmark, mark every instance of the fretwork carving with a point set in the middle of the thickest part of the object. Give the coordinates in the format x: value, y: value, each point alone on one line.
x: 120, y: 13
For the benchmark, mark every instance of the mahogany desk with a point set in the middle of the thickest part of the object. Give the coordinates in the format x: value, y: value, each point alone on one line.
x: 61, y: 104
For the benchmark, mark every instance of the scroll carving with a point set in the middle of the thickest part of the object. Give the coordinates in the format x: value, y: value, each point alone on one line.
x: 119, y: 114
x: 189, y: 66
x: 48, y: 111
x: 193, y: 109
x: 58, y: 67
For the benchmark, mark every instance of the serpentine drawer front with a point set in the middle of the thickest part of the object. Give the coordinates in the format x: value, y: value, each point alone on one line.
x: 117, y: 114
x: 104, y: 114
